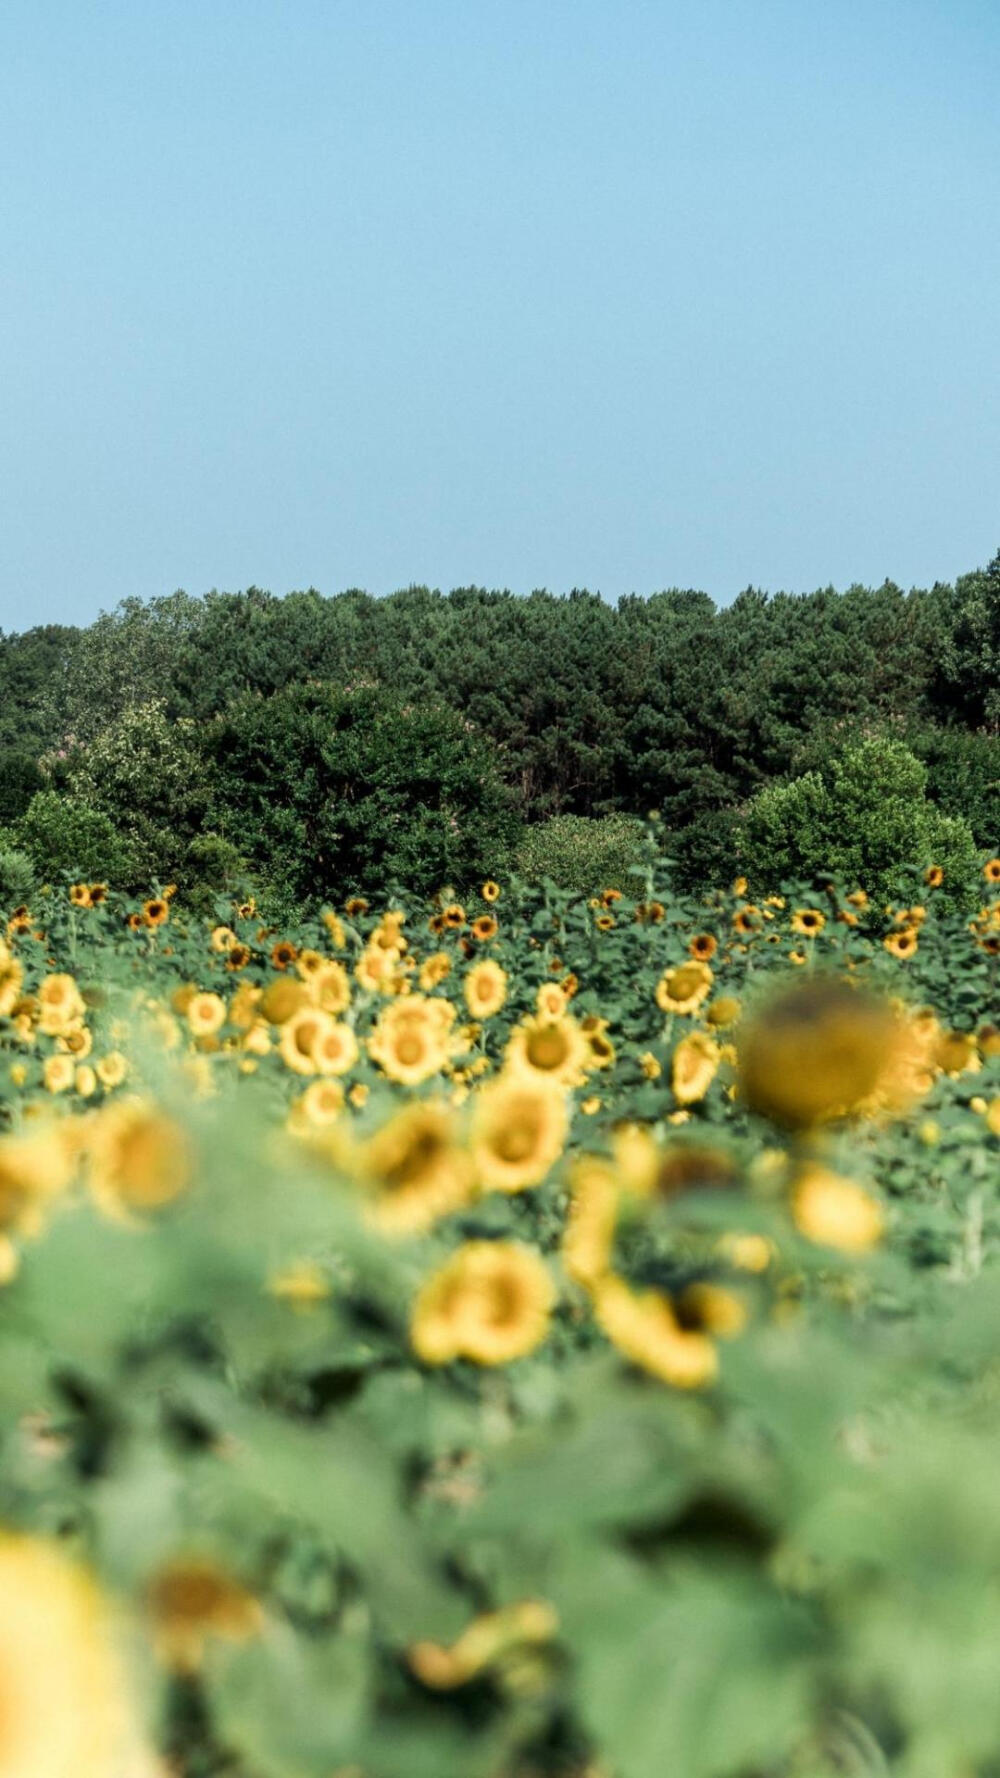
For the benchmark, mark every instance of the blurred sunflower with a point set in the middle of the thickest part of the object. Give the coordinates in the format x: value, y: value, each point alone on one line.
x: 518, y: 1131
x: 415, y: 1169
x: 556, y: 1049
x: 490, y: 1303
x: 485, y: 988
x: 645, y: 1329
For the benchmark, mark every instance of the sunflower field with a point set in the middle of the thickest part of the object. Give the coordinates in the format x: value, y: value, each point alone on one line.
x: 530, y: 1336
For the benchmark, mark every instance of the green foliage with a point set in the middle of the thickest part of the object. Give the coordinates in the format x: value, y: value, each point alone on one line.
x: 147, y: 775
x: 865, y: 816
x: 17, y: 873
x: 319, y: 786
x: 20, y: 777
x: 963, y: 777
x: 583, y: 854
x: 65, y: 836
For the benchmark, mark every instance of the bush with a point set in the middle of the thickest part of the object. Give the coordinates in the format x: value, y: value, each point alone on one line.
x: 147, y: 775
x: 353, y: 788
x: 963, y: 778
x: 20, y: 778
x: 864, y: 816
x: 17, y: 875
x: 64, y: 836
x: 583, y: 853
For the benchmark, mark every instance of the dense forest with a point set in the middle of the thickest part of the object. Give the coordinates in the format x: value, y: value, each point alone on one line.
x: 425, y: 738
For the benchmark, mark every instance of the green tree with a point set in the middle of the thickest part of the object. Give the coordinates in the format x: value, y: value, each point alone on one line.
x: 325, y: 788
x: 864, y: 815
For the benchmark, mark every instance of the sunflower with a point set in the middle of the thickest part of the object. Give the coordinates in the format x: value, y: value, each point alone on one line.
x: 111, y: 1069
x: 683, y: 988
x: 155, y: 911
x: 556, y: 1049
x: 284, y: 953
x: 34, y: 1169
x: 64, y: 1699
x: 299, y: 1037
x: 490, y: 1303
x: 435, y: 969
x: 412, y: 1039
x: 60, y: 1003
x: 807, y: 922
x: 703, y: 946
x: 222, y: 939
x: 646, y: 1330
x: 933, y: 876
x: 283, y: 998
x: 723, y: 1012
x: 378, y: 970
x: 239, y: 957
x: 414, y: 1169
x: 11, y: 980
x: 599, y: 1044
x: 551, y: 1000
x: 991, y: 870
x: 335, y: 929
x: 318, y: 1107
x: 85, y: 1082
x: 747, y: 919
x: 354, y: 905
x: 901, y: 944
x: 604, y: 922
x: 205, y: 1014
x: 490, y: 891
x: 484, y: 928
x: 191, y: 1598
x: 835, y: 1212
x: 137, y: 1158
x: 57, y: 1073
x: 485, y: 988
x: 519, y: 1126
x: 453, y: 916
x: 335, y: 1047
x: 590, y: 1226
x: 492, y: 1638
x: 80, y: 896
x: 98, y: 893
x: 693, y: 1067
x: 330, y: 987
x: 816, y: 1051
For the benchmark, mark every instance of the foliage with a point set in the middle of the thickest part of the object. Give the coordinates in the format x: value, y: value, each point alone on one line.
x: 65, y: 836
x: 581, y: 853
x: 146, y: 774
x: 17, y: 873
x: 663, y: 702
x: 330, y: 1547
x: 863, y: 815
x: 319, y: 785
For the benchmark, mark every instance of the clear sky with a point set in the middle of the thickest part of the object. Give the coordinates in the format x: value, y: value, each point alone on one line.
x: 611, y: 293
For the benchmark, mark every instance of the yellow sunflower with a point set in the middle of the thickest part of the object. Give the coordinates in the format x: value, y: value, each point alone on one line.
x: 646, y: 1330
x: 991, y: 870
x: 485, y: 988
x: 835, y: 1212
x: 414, y: 1169
x: 137, y: 1158
x: 299, y: 1038
x: 11, y: 980
x: 693, y: 1067
x: 553, y: 1048
x: 808, y: 922
x: 205, y: 1014
x: 901, y: 944
x: 490, y: 1303
x: 413, y: 1039
x: 518, y: 1130
x: 683, y: 988
x: 817, y: 1051
x: 60, y: 1004
x: 65, y: 1713
x: 490, y: 891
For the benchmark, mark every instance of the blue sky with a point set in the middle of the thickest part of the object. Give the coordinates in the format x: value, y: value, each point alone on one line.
x: 621, y: 295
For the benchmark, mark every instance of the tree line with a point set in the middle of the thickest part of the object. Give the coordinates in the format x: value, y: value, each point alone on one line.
x: 422, y: 736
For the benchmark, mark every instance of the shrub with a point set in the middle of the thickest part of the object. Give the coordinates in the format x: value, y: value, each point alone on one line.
x: 322, y: 786
x: 19, y: 780
x: 64, y: 836
x: 864, y: 816
x: 583, y: 853
x: 17, y: 875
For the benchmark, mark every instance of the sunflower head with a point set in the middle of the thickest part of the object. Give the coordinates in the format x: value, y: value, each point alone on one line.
x: 489, y: 1303
x: 814, y: 1051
